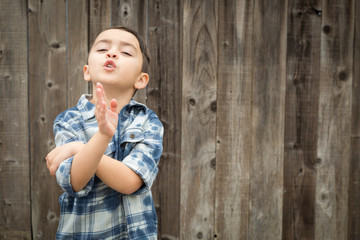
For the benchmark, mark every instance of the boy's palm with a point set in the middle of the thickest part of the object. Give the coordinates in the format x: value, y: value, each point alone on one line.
x: 107, y: 118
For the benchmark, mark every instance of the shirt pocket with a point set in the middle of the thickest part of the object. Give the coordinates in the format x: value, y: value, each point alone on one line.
x: 129, y: 139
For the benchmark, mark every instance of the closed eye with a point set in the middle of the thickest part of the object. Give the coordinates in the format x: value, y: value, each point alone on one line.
x: 126, y: 53
x: 102, y: 50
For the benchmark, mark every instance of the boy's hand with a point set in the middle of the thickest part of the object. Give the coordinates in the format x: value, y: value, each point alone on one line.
x: 107, y: 118
x: 59, y: 154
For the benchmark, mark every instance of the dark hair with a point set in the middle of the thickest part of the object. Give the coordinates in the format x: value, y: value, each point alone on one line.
x: 143, y: 47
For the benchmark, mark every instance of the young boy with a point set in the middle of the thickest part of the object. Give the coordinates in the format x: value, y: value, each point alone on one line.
x: 108, y: 148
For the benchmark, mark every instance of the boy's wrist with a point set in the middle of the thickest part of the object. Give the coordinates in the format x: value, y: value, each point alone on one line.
x: 104, y: 137
x: 76, y: 147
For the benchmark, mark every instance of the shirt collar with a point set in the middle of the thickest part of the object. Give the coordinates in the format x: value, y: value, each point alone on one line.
x: 87, y: 109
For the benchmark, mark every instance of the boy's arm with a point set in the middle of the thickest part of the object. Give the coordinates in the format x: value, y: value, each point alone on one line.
x: 86, y: 161
x: 138, y: 170
x: 114, y: 173
x: 118, y: 176
x: 61, y: 153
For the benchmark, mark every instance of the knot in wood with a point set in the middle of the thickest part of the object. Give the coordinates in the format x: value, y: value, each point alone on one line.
x: 213, y: 106
x: 125, y: 10
x: 51, y: 216
x: 326, y: 29
x: 343, y: 76
x: 192, y: 101
x: 225, y: 44
x: 42, y: 119
x: 55, y: 45
x: 318, y: 161
x: 324, y: 196
x: 213, y: 163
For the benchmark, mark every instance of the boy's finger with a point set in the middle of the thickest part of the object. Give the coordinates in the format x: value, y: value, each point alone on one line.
x: 113, y: 105
x: 103, y: 107
x: 99, y: 94
x: 53, y: 170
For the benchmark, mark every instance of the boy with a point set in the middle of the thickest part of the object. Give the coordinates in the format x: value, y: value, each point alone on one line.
x: 108, y: 148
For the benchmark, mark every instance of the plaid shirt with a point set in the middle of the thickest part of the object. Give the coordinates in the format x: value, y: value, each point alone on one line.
x: 97, y: 211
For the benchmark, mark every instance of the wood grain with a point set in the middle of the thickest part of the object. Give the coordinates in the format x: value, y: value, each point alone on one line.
x: 268, y: 113
x: 234, y: 96
x: 334, y: 131
x: 99, y: 18
x: 259, y: 100
x: 76, y: 50
x: 199, y: 76
x: 354, y: 174
x: 131, y: 14
x: 164, y: 97
x: 301, y: 118
x: 47, y: 76
x: 15, y: 218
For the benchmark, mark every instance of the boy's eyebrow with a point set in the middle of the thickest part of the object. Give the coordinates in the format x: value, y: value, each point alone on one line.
x: 121, y: 43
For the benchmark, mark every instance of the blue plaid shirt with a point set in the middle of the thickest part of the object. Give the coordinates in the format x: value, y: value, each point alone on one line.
x: 97, y: 211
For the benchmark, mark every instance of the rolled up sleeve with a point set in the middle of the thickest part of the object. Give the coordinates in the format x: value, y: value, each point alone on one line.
x: 144, y: 157
x: 63, y: 179
x: 64, y: 134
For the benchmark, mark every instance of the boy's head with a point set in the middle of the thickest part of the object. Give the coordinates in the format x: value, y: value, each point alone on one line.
x: 119, y: 57
x: 143, y: 46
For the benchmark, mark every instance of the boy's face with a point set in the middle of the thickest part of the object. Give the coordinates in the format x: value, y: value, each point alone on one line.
x: 115, y: 60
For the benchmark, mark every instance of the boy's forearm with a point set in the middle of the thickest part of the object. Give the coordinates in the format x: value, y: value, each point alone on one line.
x: 118, y: 176
x: 86, y: 161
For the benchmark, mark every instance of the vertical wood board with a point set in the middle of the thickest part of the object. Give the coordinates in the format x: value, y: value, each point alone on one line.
x: 164, y: 97
x: 99, y: 19
x: 76, y: 49
x: 199, y: 76
x: 233, y: 151
x: 47, y: 75
x: 301, y: 118
x: 268, y: 113
x: 354, y: 174
x: 334, y: 131
x: 15, y: 216
x: 131, y: 14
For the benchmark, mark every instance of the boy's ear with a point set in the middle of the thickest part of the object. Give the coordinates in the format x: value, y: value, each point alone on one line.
x: 86, y: 73
x: 142, y: 81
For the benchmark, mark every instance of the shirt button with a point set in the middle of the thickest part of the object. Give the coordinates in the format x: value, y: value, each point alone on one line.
x: 132, y: 136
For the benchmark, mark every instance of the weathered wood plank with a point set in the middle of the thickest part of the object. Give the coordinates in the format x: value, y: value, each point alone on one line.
x: 199, y: 75
x: 131, y: 14
x: 301, y: 118
x: 99, y: 18
x: 233, y: 151
x: 47, y: 74
x: 164, y: 97
x: 268, y: 113
x: 354, y: 180
x: 15, y: 215
x: 76, y: 49
x: 334, y: 130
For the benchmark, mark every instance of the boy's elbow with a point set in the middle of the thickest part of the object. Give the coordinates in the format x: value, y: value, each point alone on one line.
x: 134, y: 185
x: 76, y: 186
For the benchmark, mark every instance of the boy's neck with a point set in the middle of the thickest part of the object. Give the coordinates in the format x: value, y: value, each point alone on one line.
x: 123, y: 98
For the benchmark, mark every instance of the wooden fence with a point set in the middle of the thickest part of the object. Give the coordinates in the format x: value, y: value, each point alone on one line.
x: 260, y: 102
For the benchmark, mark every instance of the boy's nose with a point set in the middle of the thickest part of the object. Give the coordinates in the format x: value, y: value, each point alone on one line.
x: 112, y: 55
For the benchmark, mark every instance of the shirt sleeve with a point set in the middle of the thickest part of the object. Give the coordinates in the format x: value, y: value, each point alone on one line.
x: 144, y: 157
x: 64, y: 133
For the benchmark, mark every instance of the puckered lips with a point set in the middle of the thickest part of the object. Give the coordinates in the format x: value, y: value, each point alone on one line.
x: 109, y: 65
